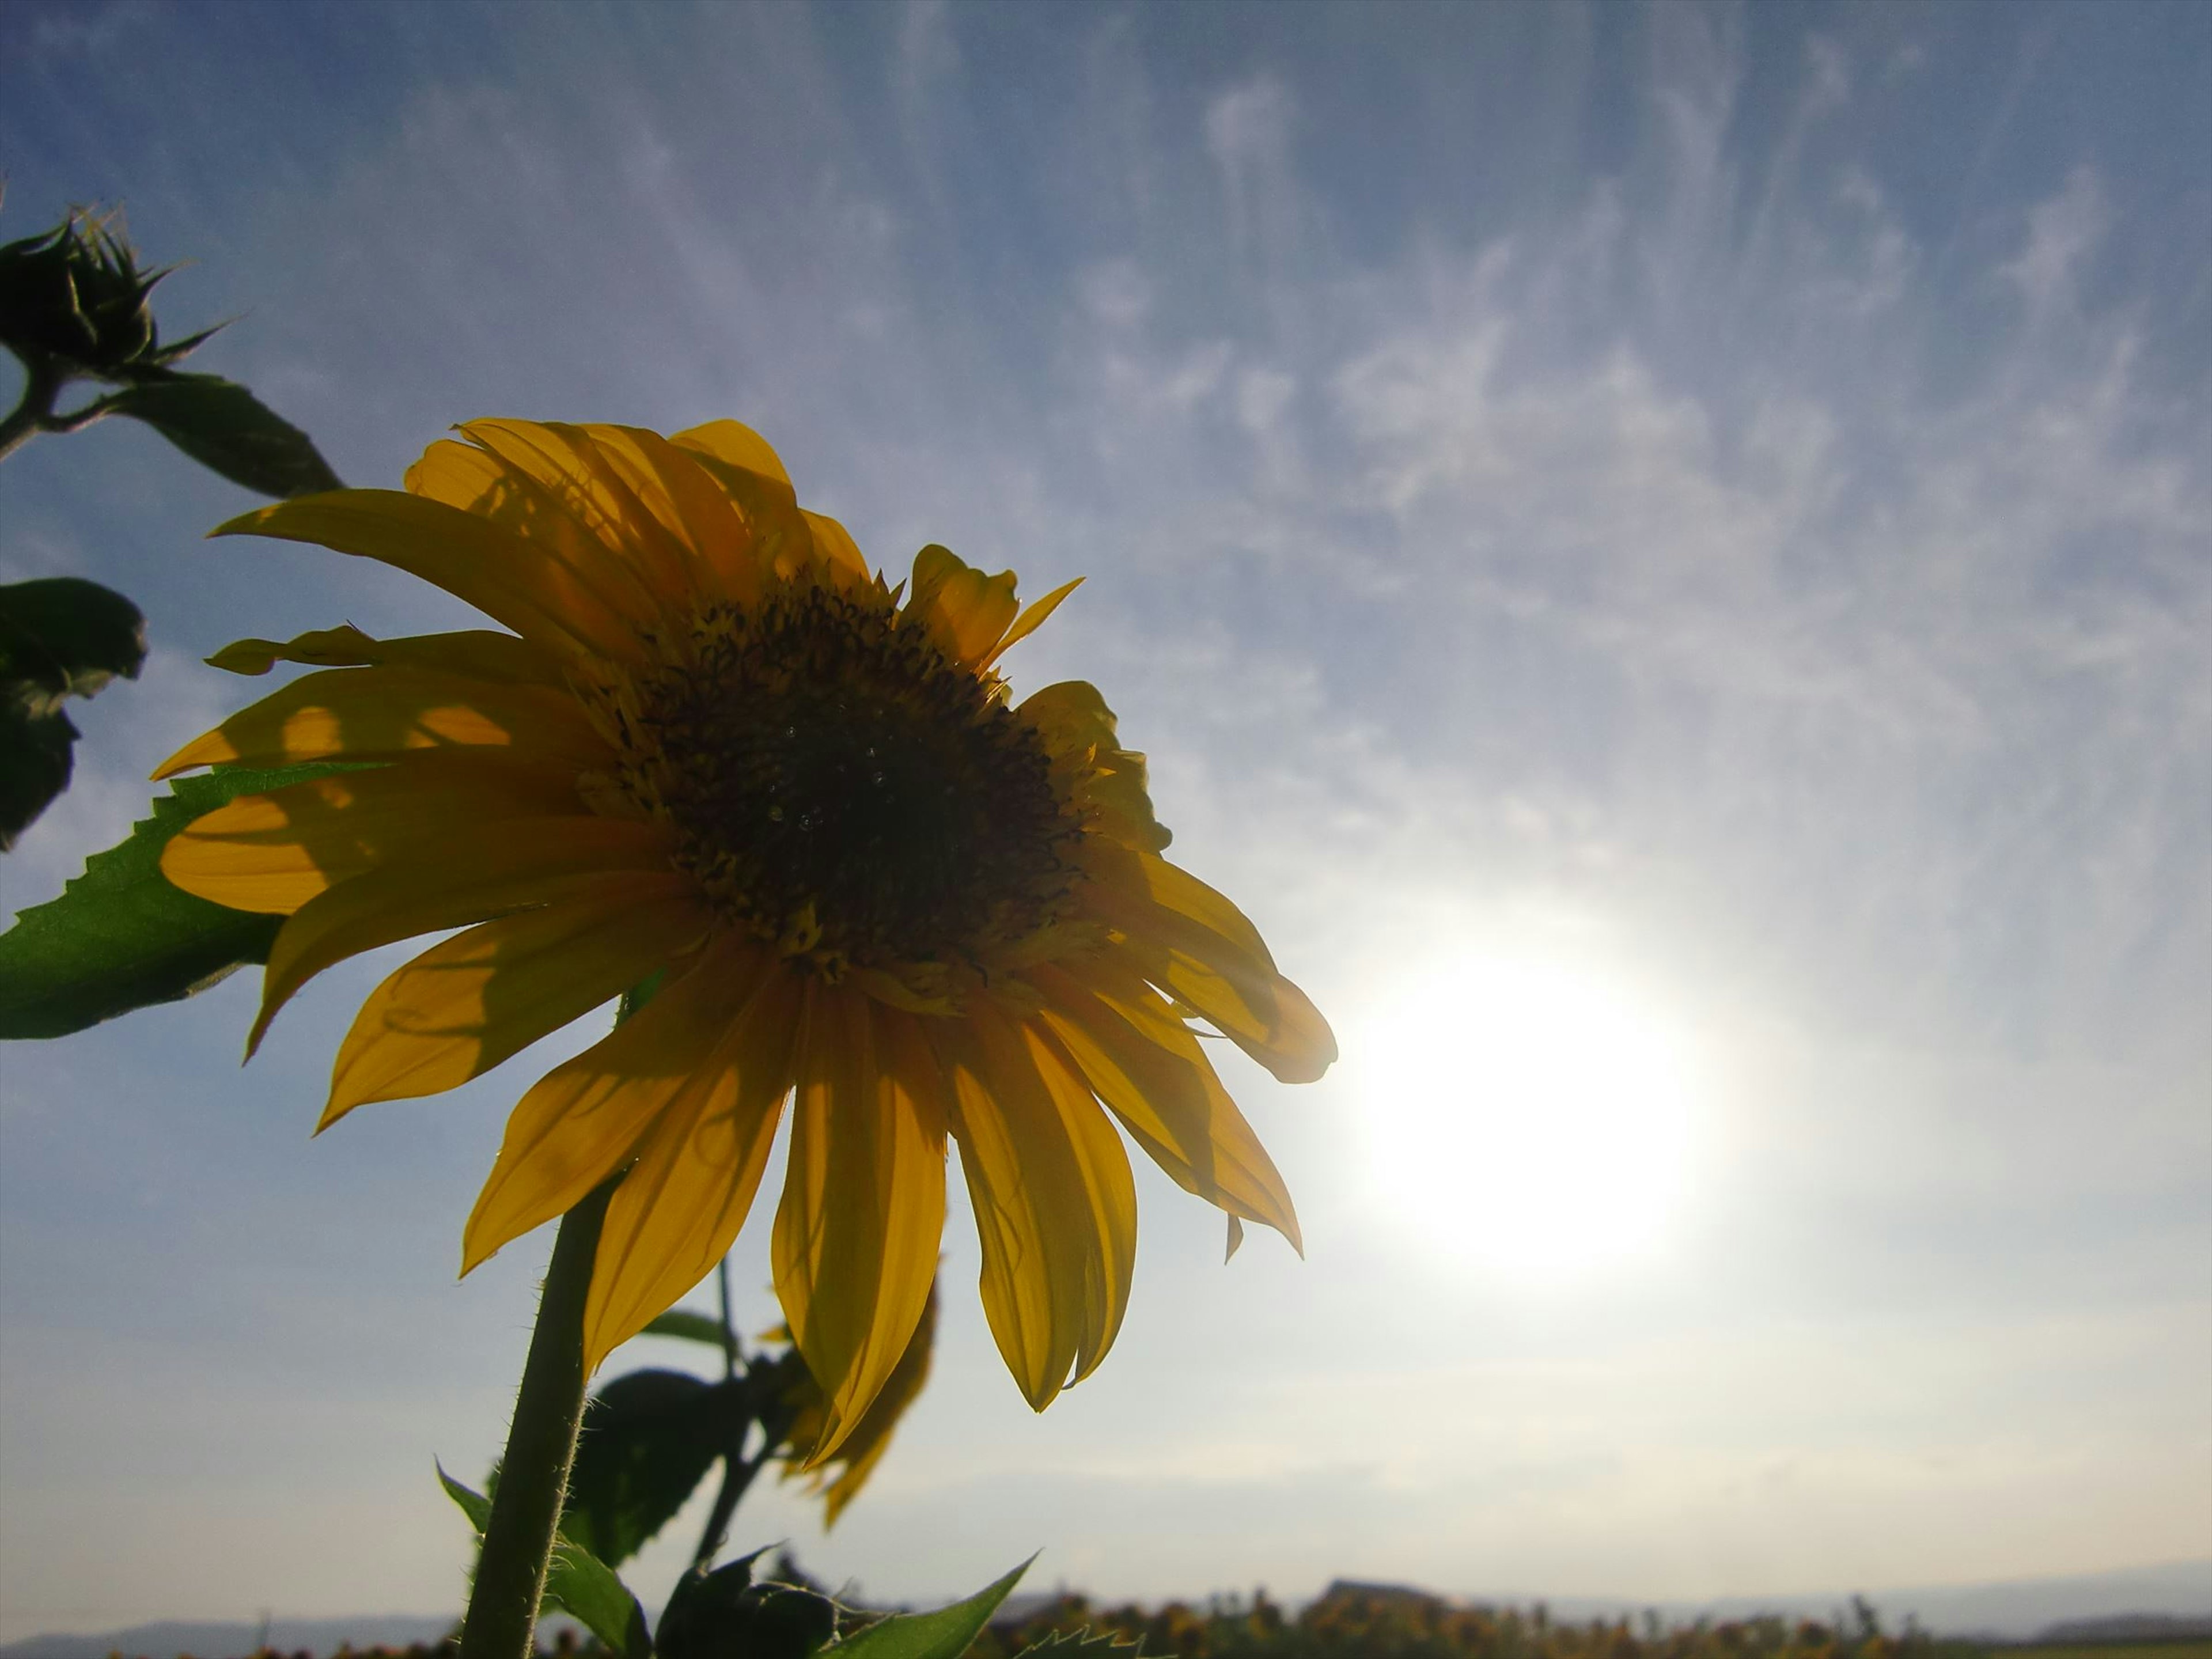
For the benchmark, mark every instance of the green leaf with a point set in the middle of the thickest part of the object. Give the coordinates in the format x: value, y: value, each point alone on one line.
x: 120, y: 936
x: 1086, y: 1640
x: 226, y: 429
x: 36, y: 759
x: 67, y: 637
x: 691, y: 1326
x: 473, y: 1503
x: 944, y: 1634
x: 648, y: 1441
x: 60, y: 636
x: 577, y: 1582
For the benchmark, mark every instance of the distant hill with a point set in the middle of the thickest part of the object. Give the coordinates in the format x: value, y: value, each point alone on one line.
x: 2130, y: 1627
x: 209, y: 1640
x: 2016, y: 1610
x: 2147, y: 1603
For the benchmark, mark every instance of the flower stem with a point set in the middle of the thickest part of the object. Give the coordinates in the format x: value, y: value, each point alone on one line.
x: 729, y: 1325
x: 526, y: 1509
x: 736, y: 1477
x: 34, y: 413
x: 42, y: 383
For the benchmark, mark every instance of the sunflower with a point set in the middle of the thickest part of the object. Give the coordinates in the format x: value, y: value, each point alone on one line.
x: 710, y: 753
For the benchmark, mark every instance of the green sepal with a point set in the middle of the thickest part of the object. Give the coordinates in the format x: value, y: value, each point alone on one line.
x: 164, y: 357
x: 577, y: 1582
x: 226, y: 429
x: 944, y: 1634
x: 639, y: 994
x: 120, y: 936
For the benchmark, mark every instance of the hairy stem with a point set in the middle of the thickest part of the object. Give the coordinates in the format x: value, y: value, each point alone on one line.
x: 526, y: 1511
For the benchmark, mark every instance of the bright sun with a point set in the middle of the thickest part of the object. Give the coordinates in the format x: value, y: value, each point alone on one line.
x: 1531, y: 1119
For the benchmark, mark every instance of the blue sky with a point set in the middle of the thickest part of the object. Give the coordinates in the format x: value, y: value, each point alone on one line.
x: 1659, y: 552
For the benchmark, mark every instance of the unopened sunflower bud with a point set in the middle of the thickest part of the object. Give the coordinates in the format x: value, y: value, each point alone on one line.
x: 75, y: 296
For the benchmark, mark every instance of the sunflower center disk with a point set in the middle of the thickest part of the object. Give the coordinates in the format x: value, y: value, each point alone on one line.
x: 840, y: 786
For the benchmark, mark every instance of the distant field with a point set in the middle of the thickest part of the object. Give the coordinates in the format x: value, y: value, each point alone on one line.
x: 2184, y: 1650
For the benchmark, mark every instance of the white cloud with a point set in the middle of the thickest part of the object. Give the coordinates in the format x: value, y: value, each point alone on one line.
x: 1117, y: 292
x: 2063, y: 232
x: 1248, y: 134
x: 1631, y: 562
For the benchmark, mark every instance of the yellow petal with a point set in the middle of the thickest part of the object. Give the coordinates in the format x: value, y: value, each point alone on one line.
x: 857, y: 1232
x: 554, y: 474
x: 834, y: 546
x: 510, y: 866
x: 964, y: 610
x: 521, y: 583
x: 273, y: 853
x: 1055, y: 1209
x: 375, y: 714
x: 678, y: 1211
x: 479, y: 653
x: 1153, y: 1074
x: 872, y: 1436
x: 1109, y: 785
x: 1193, y: 943
x: 748, y: 471
x: 584, y: 1119
x: 735, y: 444
x: 670, y: 483
x: 465, y: 1005
x: 1028, y: 623
x: 523, y: 477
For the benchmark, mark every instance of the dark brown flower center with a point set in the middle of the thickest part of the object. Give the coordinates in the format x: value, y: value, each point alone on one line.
x: 839, y: 786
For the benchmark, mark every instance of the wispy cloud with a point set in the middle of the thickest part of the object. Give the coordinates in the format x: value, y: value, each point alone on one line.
x: 1654, y: 504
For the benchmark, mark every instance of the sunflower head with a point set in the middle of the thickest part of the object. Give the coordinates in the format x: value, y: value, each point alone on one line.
x: 707, y: 747
x: 840, y: 784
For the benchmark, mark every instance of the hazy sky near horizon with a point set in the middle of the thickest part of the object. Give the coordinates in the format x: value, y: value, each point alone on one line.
x: 1661, y: 551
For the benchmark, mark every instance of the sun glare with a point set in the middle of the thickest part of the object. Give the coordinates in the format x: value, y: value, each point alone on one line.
x: 1532, y: 1119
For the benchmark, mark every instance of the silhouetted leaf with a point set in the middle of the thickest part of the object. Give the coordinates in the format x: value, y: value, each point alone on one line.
x: 67, y: 636
x: 691, y: 1326
x: 714, y: 1614
x: 120, y: 936
x: 944, y: 1634
x: 60, y: 637
x: 577, y: 1582
x: 226, y: 429
x: 648, y: 1441
x: 36, y: 759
